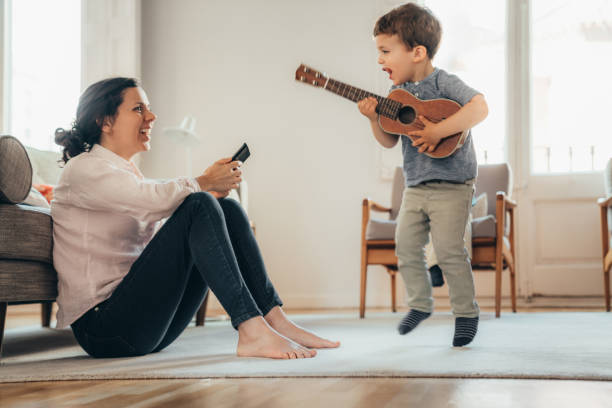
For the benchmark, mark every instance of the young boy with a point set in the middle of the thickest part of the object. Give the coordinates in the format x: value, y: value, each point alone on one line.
x: 438, y: 192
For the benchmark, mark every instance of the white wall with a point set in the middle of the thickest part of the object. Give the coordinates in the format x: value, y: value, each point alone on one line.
x: 231, y: 65
x: 111, y: 39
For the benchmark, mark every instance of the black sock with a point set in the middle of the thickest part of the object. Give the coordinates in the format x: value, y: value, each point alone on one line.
x: 437, y: 279
x: 411, y: 320
x: 465, y: 330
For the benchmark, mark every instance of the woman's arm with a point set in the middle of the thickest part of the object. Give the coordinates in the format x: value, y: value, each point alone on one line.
x: 102, y: 186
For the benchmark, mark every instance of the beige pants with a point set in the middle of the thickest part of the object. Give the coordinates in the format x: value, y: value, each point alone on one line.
x: 442, y: 209
x: 430, y: 255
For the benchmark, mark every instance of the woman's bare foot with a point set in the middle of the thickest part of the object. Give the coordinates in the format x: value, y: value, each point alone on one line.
x: 257, y: 339
x: 279, y: 322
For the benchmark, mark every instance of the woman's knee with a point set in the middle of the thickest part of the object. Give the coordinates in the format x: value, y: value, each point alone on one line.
x: 199, y: 197
x: 198, y: 205
x: 231, y: 207
x: 203, y: 201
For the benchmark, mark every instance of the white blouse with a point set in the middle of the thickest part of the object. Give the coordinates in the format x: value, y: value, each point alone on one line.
x: 104, y: 214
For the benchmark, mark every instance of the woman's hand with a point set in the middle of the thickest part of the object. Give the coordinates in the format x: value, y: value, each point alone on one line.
x: 219, y: 195
x: 221, y: 177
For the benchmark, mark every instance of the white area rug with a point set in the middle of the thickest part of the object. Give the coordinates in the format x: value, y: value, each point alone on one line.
x: 524, y: 345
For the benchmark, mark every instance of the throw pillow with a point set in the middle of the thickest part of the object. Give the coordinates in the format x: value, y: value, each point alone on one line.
x: 46, y: 190
x: 480, y: 206
x: 36, y: 199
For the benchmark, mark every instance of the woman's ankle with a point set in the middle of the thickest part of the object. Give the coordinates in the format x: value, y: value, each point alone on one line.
x: 253, y: 327
x: 276, y: 317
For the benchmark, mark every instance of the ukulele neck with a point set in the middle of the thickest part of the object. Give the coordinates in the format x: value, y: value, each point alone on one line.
x: 386, y: 107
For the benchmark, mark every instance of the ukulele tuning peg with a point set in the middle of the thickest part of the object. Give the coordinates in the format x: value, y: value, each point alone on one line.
x: 314, y: 82
x: 306, y: 69
x: 318, y: 75
x: 302, y: 78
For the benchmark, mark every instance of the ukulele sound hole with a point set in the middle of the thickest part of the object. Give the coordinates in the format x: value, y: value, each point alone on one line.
x: 406, y: 115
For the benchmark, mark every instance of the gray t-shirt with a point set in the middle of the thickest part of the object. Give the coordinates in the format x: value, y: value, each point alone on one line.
x: 461, y: 165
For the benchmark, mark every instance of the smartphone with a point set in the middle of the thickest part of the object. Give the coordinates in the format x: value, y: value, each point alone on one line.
x: 242, y: 154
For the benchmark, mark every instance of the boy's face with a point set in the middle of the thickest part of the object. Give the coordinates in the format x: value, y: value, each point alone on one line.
x: 396, y: 59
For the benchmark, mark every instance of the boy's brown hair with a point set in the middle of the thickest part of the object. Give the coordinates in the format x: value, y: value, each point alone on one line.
x: 415, y: 25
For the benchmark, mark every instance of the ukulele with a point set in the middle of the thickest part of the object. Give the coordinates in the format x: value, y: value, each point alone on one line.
x: 397, y: 113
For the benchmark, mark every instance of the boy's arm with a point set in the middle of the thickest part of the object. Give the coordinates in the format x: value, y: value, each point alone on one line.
x: 367, y: 107
x: 470, y: 114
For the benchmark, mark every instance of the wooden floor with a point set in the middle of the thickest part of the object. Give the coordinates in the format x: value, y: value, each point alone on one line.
x: 302, y: 392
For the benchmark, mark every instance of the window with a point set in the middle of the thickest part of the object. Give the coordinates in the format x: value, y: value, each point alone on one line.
x: 42, y: 68
x: 571, y: 58
x: 473, y: 47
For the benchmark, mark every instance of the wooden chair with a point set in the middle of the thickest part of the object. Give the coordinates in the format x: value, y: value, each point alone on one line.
x: 378, y: 239
x: 605, y: 209
x: 493, y: 246
x: 492, y: 236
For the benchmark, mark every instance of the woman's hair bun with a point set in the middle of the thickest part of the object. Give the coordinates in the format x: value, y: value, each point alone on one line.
x: 62, y: 136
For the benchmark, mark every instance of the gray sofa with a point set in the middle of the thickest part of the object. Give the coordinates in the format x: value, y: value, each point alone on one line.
x: 26, y: 238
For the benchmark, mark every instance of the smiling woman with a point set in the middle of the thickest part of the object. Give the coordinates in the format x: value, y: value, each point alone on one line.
x: 130, y: 131
x: 130, y: 281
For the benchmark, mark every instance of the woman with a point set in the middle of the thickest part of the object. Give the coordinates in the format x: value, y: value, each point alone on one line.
x: 128, y: 285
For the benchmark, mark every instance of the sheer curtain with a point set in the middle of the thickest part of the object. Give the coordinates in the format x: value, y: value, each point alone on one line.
x: 42, y: 68
x: 474, y: 48
x: 571, y: 60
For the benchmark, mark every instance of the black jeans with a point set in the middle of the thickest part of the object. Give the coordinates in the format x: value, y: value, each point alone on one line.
x: 206, y: 243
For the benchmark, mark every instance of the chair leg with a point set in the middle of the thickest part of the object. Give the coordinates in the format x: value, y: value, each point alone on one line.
x: 607, y: 288
x: 362, y: 295
x: 498, y: 278
x: 201, y: 314
x: 45, y: 313
x: 3, y: 306
x: 392, y: 275
x: 513, y: 287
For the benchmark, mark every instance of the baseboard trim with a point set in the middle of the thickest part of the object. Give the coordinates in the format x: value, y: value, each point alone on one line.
x: 594, y: 303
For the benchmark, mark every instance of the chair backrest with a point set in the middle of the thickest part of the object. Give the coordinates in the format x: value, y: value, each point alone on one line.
x: 608, y: 188
x: 491, y: 179
x: 397, y: 191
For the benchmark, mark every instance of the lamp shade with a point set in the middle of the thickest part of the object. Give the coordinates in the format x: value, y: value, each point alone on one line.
x: 184, y: 134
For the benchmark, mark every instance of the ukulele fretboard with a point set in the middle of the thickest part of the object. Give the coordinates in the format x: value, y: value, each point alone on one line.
x: 386, y: 106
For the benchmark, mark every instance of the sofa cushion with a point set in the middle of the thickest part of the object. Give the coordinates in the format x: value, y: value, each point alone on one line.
x: 26, y: 233
x: 15, y: 171
x: 46, y: 168
x: 36, y: 199
x: 484, y: 227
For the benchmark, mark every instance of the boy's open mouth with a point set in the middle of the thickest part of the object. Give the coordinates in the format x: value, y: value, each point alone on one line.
x: 387, y: 70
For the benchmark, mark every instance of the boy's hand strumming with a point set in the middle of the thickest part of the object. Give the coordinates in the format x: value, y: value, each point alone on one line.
x: 367, y: 107
x: 428, y: 137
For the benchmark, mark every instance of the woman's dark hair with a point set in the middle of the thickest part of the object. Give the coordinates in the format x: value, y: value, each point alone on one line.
x: 98, y: 102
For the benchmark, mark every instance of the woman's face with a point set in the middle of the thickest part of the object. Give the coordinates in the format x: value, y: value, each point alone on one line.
x: 130, y: 131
